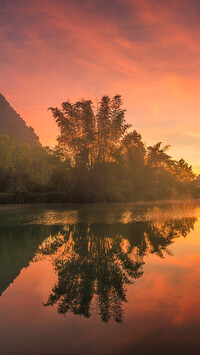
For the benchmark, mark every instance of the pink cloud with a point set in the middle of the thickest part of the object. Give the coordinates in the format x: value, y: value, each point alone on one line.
x: 147, y: 51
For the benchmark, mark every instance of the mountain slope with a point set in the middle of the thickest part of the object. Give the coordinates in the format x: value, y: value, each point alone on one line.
x: 12, y: 124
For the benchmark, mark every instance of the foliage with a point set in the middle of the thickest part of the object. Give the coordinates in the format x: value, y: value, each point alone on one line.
x: 98, y: 158
x: 91, y: 137
x: 26, y: 168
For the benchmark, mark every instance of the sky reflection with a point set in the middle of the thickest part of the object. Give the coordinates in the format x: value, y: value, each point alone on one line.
x: 143, y: 274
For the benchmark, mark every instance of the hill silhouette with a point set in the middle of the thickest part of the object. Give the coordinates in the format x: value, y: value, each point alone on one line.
x: 12, y: 124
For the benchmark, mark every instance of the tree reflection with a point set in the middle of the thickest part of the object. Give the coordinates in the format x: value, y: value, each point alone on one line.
x: 95, y: 263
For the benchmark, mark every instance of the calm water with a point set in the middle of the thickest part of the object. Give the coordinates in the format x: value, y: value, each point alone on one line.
x: 100, y: 279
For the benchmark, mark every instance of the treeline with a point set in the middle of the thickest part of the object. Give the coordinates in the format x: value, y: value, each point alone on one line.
x: 98, y: 158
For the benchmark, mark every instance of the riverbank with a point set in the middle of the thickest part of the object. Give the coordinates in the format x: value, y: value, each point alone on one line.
x: 63, y: 197
x: 41, y: 197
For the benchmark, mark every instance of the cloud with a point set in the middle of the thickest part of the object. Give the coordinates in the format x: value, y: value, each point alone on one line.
x: 146, y: 50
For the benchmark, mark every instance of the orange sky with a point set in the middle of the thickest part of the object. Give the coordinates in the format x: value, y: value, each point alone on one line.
x: 146, y: 50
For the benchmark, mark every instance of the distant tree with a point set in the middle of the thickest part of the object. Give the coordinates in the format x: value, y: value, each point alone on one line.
x: 157, y: 156
x: 24, y: 167
x: 183, y: 171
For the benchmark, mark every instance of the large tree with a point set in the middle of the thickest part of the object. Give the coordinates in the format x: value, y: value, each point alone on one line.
x: 91, y: 135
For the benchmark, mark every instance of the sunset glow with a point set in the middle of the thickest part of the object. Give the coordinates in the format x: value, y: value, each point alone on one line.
x: 147, y: 51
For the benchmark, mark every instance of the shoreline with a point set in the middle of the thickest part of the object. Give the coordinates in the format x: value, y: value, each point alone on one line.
x: 63, y: 198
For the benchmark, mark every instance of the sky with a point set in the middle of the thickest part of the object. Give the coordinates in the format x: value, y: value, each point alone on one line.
x: 146, y: 50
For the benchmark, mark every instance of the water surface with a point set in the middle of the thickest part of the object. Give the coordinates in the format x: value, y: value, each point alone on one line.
x: 93, y: 279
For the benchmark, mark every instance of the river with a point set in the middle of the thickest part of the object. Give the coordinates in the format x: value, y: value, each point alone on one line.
x: 100, y: 279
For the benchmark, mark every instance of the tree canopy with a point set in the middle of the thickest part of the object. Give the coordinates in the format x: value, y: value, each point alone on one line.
x: 91, y: 136
x: 98, y: 157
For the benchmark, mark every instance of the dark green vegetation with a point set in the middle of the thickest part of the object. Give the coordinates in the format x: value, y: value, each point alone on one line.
x: 98, y: 158
x: 12, y: 124
x: 26, y: 171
